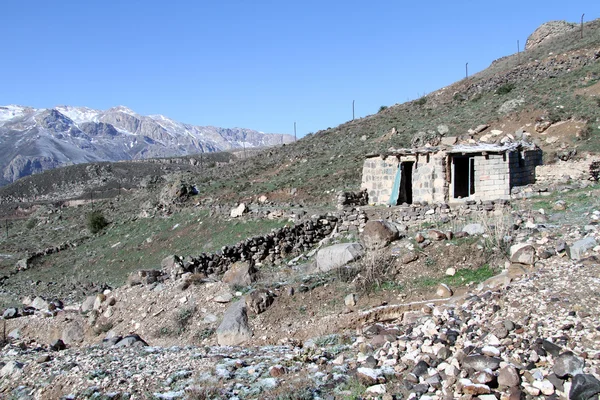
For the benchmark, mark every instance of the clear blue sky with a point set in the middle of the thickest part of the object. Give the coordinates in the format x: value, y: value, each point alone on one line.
x: 255, y: 64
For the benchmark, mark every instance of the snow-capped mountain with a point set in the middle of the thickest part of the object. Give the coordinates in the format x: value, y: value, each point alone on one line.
x: 33, y: 140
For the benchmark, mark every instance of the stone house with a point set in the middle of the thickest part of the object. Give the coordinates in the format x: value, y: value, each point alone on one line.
x: 449, y: 175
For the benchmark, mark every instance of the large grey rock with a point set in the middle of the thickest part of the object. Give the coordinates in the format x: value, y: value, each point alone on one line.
x: 378, y: 234
x: 259, y: 300
x: 479, y: 362
x: 508, y: 376
x: 73, y: 333
x: 567, y: 364
x: 338, y: 255
x: 12, y: 368
x: 548, y: 31
x: 11, y: 312
x: 522, y: 254
x: 577, y: 249
x: 474, y: 229
x: 584, y: 387
x: 239, y: 274
x: 39, y: 304
x: 238, y: 211
x: 88, y: 304
x: 172, y: 266
x: 234, y: 329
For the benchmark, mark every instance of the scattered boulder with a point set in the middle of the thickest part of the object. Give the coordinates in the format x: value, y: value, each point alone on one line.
x: 578, y: 249
x: 22, y: 265
x: 378, y: 234
x: 480, y: 362
x: 172, y: 266
x: 259, y: 300
x: 522, y: 254
x: 436, y: 235
x: 584, y: 387
x: 12, y: 368
x: 223, y: 298
x: 409, y: 257
x: 338, y: 255
x: 241, y: 273
x: 508, y: 376
x: 58, y: 345
x: 443, y: 290
x: 88, y: 304
x: 567, y: 364
x: 143, y: 277
x: 350, y: 300
x: 238, y: 211
x: 234, y: 329
x: 368, y: 376
x: 11, y: 312
x: 73, y: 333
x: 474, y: 229
x: 15, y: 334
x: 130, y: 341
x: 39, y: 304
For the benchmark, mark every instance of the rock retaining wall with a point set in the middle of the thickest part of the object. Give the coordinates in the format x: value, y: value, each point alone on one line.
x: 276, y: 245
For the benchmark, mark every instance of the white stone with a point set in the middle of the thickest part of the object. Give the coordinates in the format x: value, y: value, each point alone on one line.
x: 545, y: 386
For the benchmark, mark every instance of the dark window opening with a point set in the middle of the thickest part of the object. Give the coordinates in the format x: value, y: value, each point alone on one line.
x: 464, y: 176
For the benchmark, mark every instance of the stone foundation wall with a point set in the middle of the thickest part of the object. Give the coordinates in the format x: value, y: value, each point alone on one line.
x: 415, y: 213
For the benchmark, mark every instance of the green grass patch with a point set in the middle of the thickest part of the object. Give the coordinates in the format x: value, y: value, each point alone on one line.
x: 462, y: 277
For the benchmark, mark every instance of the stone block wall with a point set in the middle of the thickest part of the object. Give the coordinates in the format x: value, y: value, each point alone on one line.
x: 378, y: 178
x: 522, y: 166
x: 492, y: 178
x: 428, y: 178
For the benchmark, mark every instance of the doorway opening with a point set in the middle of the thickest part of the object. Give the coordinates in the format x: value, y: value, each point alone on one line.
x: 464, y: 177
x: 405, y: 195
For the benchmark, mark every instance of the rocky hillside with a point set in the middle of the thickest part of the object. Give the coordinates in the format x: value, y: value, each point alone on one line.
x: 179, y: 296
x: 35, y: 140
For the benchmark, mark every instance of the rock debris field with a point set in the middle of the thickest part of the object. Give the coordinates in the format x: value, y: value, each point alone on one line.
x: 536, y: 337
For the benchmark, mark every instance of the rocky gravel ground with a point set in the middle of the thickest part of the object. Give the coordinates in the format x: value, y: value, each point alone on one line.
x: 538, y: 337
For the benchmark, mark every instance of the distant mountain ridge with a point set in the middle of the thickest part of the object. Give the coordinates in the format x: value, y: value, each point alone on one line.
x: 33, y: 140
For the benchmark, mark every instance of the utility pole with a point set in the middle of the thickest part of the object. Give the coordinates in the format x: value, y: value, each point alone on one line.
x: 295, y: 137
x: 244, y: 143
x: 582, y: 25
x: 352, y: 110
x: 467, y: 70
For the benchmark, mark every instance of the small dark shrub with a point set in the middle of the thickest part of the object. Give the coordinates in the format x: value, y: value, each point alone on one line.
x: 31, y: 223
x: 459, y: 97
x: 382, y: 108
x: 506, y: 88
x: 421, y: 101
x: 183, y: 318
x: 96, y: 221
